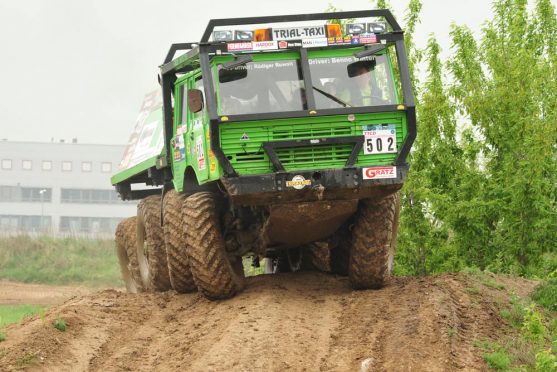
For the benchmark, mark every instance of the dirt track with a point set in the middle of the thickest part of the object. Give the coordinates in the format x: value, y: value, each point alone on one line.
x: 13, y: 293
x: 307, y: 321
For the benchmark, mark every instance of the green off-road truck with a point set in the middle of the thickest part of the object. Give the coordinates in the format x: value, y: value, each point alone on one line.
x: 279, y: 137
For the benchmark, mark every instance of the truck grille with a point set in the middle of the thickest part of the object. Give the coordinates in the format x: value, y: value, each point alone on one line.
x: 242, y: 143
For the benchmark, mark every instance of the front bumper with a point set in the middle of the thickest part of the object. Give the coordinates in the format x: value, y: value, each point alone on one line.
x: 328, y: 184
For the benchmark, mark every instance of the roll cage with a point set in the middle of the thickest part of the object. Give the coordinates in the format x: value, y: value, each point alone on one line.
x: 200, y: 55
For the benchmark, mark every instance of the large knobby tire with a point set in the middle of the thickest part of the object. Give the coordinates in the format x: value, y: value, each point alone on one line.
x: 125, y: 250
x: 151, y: 250
x: 319, y: 256
x: 175, y: 237
x: 215, y: 275
x: 373, y: 242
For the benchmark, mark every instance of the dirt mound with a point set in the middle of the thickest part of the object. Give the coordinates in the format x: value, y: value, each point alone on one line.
x: 298, y: 322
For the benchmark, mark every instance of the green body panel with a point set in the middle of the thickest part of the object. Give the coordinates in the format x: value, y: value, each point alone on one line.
x: 248, y: 157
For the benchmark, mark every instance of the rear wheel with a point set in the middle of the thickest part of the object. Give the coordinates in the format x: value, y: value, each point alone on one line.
x: 179, y: 270
x: 217, y: 276
x: 125, y: 249
x: 151, y: 251
x: 373, y: 242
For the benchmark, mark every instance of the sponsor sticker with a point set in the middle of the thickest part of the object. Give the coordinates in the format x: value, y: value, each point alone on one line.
x: 283, y: 44
x: 355, y: 39
x: 340, y: 40
x: 368, y: 39
x: 314, y: 43
x: 246, y: 45
x: 292, y: 33
x: 200, y: 152
x: 375, y: 173
x: 264, y: 45
x: 298, y: 182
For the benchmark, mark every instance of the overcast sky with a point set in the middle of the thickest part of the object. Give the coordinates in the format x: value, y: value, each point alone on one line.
x: 76, y: 68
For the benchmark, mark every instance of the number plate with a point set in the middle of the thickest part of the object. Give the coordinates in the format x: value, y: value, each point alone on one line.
x: 379, y: 139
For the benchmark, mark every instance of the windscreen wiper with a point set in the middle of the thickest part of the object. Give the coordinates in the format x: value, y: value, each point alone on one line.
x: 334, y: 98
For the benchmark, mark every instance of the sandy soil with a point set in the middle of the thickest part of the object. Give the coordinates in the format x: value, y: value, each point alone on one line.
x: 297, y: 322
x: 12, y: 293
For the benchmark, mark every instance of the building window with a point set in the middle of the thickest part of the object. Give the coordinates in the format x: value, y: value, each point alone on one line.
x: 86, y: 166
x: 88, y: 224
x: 25, y: 194
x: 20, y: 223
x: 66, y: 166
x: 90, y: 196
x: 27, y: 164
x: 106, y: 167
x: 7, y: 164
x: 47, y: 165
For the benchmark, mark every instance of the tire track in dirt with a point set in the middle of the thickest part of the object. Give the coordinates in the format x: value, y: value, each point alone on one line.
x: 298, y: 322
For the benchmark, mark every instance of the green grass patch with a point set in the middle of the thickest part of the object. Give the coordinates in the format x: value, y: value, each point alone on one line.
x: 545, y: 294
x: 14, y: 313
x: 59, y: 261
x: 59, y: 324
x: 498, y: 360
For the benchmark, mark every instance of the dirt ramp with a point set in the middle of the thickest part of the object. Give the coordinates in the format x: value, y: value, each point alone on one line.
x: 297, y: 322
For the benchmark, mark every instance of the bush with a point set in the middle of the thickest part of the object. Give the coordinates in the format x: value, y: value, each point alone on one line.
x: 545, y: 294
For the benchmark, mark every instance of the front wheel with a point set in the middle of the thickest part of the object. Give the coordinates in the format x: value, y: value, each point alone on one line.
x: 373, y: 242
x: 216, y: 276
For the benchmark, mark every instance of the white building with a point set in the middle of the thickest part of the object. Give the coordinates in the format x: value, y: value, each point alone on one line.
x: 60, y: 188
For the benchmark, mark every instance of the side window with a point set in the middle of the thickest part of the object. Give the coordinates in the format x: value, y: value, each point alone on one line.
x: 183, y: 114
x: 199, y: 85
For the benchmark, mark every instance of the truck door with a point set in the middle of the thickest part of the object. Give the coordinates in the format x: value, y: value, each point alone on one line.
x: 177, y: 142
x: 197, y: 135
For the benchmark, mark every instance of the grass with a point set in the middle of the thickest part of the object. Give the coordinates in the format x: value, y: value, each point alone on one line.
x: 545, y: 294
x: 25, y: 360
x: 60, y: 324
x: 14, y: 313
x: 59, y: 261
x: 498, y: 360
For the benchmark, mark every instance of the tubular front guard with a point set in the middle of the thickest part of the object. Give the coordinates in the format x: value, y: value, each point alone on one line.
x: 328, y: 184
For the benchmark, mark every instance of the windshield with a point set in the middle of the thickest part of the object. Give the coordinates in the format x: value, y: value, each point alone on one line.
x: 353, y: 82
x: 260, y: 87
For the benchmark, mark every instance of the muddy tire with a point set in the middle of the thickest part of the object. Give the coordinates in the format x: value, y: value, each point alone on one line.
x: 216, y: 276
x: 127, y: 257
x: 179, y: 270
x: 319, y: 256
x: 373, y: 242
x: 151, y: 250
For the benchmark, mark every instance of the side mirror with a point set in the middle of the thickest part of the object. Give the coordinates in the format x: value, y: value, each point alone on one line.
x: 360, y: 67
x: 195, y: 100
x: 226, y: 76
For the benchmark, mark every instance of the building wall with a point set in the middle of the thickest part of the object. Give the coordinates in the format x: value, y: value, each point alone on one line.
x: 60, y: 188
